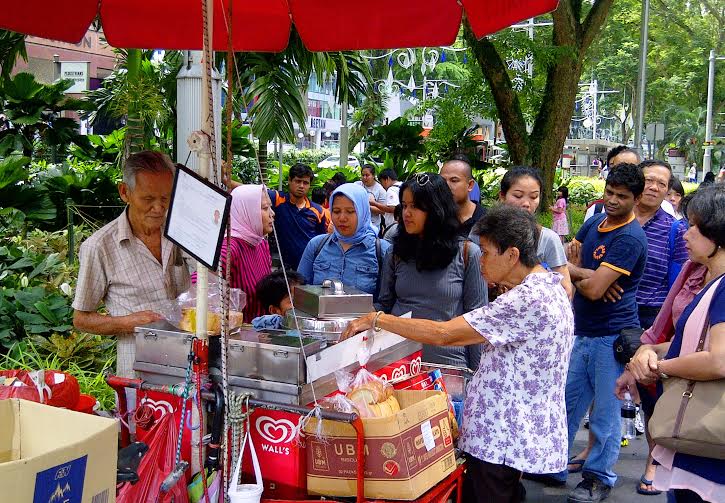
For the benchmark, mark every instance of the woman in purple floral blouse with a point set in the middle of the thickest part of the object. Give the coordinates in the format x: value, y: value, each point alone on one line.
x: 514, y: 417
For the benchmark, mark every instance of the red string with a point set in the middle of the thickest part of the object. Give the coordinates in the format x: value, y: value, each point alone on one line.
x: 144, y: 417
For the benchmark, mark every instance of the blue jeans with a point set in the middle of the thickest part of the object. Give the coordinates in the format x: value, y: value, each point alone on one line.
x: 592, y: 374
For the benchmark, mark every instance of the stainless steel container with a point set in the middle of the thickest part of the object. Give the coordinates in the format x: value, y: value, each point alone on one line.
x: 332, y: 299
x: 330, y: 329
x: 270, y: 356
x: 163, y: 344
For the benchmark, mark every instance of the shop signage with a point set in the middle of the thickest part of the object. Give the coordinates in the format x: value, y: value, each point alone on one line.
x: 317, y: 122
x: 78, y: 72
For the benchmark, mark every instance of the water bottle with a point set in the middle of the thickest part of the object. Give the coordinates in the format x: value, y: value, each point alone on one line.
x: 629, y: 411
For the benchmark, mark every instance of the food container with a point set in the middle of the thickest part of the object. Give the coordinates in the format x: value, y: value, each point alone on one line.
x: 332, y: 299
x: 330, y: 329
x: 270, y: 355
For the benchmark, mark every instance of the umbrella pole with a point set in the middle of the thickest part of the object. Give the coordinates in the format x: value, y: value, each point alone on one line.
x: 205, y: 157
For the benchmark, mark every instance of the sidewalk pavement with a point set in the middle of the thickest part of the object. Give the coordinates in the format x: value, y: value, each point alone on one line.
x: 629, y: 468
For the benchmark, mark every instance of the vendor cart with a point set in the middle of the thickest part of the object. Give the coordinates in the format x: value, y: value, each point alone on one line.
x: 440, y: 492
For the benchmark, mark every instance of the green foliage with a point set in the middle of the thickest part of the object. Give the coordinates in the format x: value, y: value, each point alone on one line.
x: 242, y: 145
x: 86, y: 183
x: 103, y: 148
x: 20, y: 198
x: 245, y: 169
x: 31, y: 116
x: 88, y: 351
x: 12, y: 47
x: 399, y: 144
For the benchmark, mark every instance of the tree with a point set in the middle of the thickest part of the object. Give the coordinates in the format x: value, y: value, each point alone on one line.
x: 12, y: 47
x: 576, y: 24
x: 399, y: 144
x: 32, y: 119
x: 274, y: 85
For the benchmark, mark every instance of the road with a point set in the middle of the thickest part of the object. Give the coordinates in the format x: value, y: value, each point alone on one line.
x: 629, y: 469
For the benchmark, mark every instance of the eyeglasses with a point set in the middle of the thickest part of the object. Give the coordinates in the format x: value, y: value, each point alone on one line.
x: 422, y: 179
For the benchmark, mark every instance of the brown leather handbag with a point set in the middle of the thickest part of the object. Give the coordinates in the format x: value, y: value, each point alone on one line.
x: 690, y: 415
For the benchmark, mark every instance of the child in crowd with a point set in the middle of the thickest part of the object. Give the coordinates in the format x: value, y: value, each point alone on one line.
x: 560, y: 223
x: 272, y: 293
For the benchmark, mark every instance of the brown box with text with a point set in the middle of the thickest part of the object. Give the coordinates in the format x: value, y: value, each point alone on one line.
x: 405, y: 454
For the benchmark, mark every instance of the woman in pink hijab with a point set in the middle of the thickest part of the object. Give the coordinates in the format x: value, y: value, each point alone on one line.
x: 251, y: 218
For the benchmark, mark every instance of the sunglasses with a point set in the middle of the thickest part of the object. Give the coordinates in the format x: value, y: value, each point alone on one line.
x: 422, y: 179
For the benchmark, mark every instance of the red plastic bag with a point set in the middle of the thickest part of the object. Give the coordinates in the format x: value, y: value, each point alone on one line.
x: 155, y: 466
x: 60, y: 389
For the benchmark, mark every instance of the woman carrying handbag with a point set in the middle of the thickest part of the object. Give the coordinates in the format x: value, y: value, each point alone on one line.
x: 688, y: 424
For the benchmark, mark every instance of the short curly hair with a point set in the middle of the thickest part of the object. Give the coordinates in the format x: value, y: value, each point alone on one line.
x: 510, y: 227
x: 627, y: 175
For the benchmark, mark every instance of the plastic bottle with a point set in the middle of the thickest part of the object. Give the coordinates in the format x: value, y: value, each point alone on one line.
x: 629, y: 411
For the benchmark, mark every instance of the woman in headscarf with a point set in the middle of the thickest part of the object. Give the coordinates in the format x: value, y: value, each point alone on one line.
x: 252, y: 218
x: 352, y: 253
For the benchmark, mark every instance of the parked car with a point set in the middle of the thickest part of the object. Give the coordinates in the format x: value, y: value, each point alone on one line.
x: 334, y: 161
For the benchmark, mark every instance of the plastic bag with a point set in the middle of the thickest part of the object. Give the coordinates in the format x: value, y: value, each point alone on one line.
x: 338, y: 403
x: 370, y: 395
x: 182, y: 312
x: 155, y: 466
x: 58, y: 388
x: 196, y: 488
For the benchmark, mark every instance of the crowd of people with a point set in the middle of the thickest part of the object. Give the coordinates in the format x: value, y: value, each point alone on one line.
x: 536, y: 317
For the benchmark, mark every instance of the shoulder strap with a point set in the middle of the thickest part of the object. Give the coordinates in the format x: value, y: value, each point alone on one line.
x: 323, y: 242
x: 598, y: 208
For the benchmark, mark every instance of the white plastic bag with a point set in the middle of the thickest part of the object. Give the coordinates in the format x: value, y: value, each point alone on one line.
x: 246, y: 493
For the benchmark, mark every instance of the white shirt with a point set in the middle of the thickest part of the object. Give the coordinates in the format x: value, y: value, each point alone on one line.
x: 378, y: 193
x: 392, y: 199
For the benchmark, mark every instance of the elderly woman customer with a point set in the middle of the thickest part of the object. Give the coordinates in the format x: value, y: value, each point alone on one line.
x: 352, y: 253
x: 514, y: 414
x: 430, y: 271
x: 692, y: 478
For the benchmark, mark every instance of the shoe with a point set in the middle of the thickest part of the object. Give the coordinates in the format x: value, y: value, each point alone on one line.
x: 625, y: 442
x: 577, y: 463
x: 646, y: 492
x: 638, y: 422
x: 586, y: 421
x: 589, y: 490
x: 545, y: 478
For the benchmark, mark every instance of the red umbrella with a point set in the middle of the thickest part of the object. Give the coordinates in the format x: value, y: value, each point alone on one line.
x: 264, y: 25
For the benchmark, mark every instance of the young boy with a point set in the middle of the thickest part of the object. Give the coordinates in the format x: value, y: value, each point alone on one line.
x: 272, y: 291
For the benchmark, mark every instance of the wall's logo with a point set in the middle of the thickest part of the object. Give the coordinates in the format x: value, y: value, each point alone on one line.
x: 276, y: 431
x: 160, y: 407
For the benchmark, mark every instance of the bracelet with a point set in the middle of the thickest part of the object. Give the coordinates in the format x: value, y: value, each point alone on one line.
x: 662, y: 374
x: 376, y: 328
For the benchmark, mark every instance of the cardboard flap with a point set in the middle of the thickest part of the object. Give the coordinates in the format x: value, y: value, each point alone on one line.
x: 9, y: 432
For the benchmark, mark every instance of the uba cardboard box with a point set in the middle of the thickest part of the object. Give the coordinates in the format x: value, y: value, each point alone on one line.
x: 53, y: 455
x: 405, y: 454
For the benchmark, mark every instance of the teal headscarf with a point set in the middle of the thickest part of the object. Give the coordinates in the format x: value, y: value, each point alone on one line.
x: 359, y: 197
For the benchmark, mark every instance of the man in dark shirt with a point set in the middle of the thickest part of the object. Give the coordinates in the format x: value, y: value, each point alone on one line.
x: 609, y: 248
x: 296, y: 219
x: 457, y: 173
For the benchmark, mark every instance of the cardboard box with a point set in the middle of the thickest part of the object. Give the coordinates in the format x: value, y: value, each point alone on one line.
x: 53, y: 455
x: 405, y: 454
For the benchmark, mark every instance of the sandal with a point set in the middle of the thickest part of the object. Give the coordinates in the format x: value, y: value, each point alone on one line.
x: 578, y: 463
x: 646, y: 492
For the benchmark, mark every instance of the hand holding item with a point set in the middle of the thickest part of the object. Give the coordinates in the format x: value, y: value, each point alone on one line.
x: 142, y: 318
x: 643, y: 365
x: 626, y: 383
x: 359, y: 325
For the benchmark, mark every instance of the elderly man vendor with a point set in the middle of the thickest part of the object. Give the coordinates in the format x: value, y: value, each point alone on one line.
x: 128, y: 265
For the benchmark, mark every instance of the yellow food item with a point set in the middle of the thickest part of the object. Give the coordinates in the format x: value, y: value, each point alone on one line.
x: 213, y: 320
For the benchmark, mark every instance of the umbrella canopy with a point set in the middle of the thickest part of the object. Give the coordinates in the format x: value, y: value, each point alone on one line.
x: 264, y: 25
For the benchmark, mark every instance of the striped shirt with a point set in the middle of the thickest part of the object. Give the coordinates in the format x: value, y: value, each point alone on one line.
x: 249, y: 264
x: 655, y: 281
